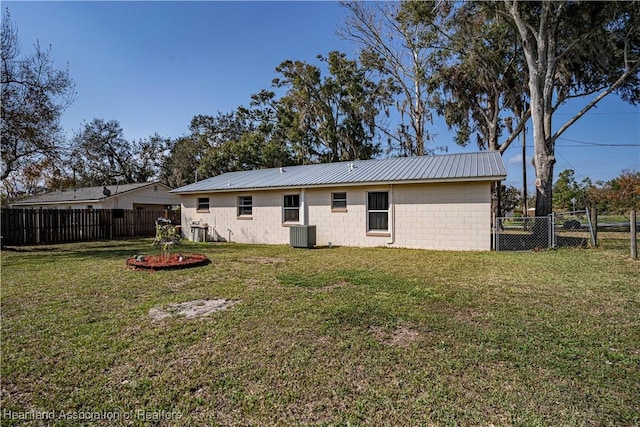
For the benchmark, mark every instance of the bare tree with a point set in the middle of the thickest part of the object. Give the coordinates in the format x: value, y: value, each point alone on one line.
x: 34, y: 95
x: 400, y: 51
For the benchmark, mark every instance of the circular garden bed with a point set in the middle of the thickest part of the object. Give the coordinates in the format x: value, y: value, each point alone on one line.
x: 171, y: 262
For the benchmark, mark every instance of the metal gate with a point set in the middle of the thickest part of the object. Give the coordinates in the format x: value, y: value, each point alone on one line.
x: 560, y: 229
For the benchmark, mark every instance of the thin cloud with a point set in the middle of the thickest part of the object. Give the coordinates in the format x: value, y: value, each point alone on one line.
x: 515, y: 159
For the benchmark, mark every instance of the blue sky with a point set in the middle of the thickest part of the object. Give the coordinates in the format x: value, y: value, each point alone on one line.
x: 154, y: 65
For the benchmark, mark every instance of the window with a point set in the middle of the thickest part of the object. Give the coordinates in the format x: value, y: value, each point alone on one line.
x: 291, y: 208
x: 378, y: 211
x: 245, y: 205
x: 203, y: 204
x: 339, y: 202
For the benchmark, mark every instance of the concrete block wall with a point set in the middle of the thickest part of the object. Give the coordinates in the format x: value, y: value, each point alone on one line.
x: 443, y: 216
x: 263, y: 226
x: 450, y: 216
x: 343, y: 228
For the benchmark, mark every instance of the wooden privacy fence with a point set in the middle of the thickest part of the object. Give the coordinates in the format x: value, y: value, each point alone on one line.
x: 46, y: 226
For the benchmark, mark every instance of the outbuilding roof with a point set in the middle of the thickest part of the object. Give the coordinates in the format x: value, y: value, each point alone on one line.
x: 83, y: 195
x: 481, y: 166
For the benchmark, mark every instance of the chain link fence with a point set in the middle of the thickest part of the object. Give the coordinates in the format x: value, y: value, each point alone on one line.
x: 565, y: 229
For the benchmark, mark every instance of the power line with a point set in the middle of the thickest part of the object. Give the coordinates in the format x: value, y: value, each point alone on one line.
x: 601, y: 114
x: 596, y: 144
x: 572, y: 167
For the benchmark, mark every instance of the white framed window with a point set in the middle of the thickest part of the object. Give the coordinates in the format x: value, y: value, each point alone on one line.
x: 378, y: 211
x: 339, y: 202
x: 203, y: 204
x: 291, y: 208
x: 245, y: 205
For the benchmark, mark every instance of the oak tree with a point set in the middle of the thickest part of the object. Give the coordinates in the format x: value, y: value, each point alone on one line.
x: 331, y: 118
x: 101, y: 155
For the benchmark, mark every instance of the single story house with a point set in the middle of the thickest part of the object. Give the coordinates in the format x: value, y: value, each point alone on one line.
x: 142, y: 196
x: 430, y: 202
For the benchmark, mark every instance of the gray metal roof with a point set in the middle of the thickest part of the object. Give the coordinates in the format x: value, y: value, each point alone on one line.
x: 82, y: 195
x: 483, y: 166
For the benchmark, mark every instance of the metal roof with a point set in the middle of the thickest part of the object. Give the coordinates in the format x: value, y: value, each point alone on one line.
x: 82, y: 195
x: 482, y: 166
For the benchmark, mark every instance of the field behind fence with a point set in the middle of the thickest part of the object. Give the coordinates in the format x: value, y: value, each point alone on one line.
x: 566, y: 229
x: 50, y: 226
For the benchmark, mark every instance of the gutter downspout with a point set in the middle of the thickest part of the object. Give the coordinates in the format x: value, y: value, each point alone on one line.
x: 392, y: 217
x: 303, y: 208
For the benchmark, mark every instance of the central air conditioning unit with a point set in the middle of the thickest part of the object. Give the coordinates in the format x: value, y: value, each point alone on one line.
x: 302, y: 236
x: 199, y: 231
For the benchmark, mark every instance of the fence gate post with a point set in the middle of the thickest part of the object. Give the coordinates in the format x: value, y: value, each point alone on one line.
x: 590, y: 225
x: 494, y: 236
x: 592, y: 214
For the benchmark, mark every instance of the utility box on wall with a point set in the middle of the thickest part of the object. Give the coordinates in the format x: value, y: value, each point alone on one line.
x: 302, y: 236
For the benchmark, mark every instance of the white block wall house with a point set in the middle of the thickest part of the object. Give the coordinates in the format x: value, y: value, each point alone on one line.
x: 431, y: 202
x: 152, y: 196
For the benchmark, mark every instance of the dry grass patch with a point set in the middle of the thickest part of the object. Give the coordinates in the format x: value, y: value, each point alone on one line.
x: 191, y: 309
x: 402, y: 336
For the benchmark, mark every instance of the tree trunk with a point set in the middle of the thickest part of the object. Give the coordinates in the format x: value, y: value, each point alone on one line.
x: 544, y: 184
x: 543, y: 159
x: 541, y: 67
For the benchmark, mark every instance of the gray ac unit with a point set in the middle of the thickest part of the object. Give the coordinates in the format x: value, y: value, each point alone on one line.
x: 302, y: 236
x: 199, y: 232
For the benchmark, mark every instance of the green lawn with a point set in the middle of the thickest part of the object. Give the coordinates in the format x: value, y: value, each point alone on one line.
x: 340, y: 336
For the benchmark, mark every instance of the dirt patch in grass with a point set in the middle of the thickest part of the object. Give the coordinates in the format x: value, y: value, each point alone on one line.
x: 403, y: 336
x: 190, y: 309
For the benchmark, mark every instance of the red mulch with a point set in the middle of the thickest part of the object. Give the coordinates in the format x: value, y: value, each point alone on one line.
x: 158, y: 262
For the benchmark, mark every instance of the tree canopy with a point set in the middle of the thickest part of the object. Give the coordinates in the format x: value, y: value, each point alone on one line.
x: 317, y: 119
x: 331, y: 118
x: 100, y: 155
x: 618, y: 195
x: 568, y: 193
x: 489, y: 68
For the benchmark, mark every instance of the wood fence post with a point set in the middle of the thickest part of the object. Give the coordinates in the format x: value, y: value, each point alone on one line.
x: 633, y: 231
